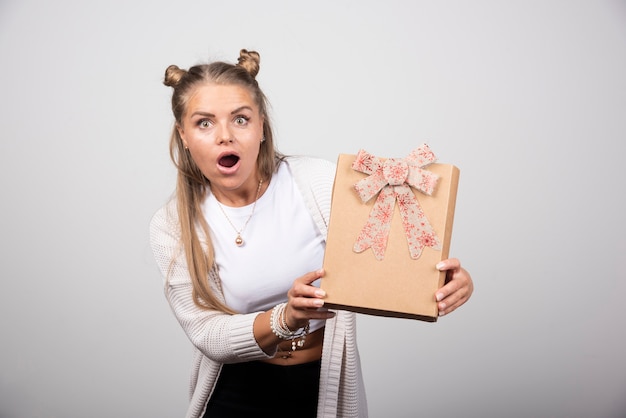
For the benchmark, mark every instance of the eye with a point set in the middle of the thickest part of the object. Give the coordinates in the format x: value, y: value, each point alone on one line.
x: 204, y: 123
x: 241, y: 120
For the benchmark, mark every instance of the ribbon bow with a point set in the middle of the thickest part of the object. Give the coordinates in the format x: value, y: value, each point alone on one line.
x: 393, y: 177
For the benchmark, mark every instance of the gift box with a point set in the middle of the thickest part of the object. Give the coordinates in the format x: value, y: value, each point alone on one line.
x: 390, y: 224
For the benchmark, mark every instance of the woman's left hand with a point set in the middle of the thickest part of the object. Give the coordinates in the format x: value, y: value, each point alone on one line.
x: 458, y: 288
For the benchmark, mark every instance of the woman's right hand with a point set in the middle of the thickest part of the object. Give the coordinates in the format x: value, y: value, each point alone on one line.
x: 305, y: 301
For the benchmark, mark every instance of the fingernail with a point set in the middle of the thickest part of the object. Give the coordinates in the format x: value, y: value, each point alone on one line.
x: 441, y: 313
x: 440, y: 265
x: 320, y: 293
x: 318, y: 302
x: 442, y: 306
x: 320, y: 272
x: 439, y: 296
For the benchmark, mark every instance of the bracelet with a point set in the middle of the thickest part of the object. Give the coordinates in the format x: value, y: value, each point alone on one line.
x: 278, y: 324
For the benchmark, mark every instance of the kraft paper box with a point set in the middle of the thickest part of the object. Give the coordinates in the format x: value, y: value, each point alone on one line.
x: 412, y: 200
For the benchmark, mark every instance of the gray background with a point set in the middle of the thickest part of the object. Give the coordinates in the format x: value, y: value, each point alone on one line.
x: 528, y: 98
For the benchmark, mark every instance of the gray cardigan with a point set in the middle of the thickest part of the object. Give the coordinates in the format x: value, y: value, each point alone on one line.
x: 220, y: 338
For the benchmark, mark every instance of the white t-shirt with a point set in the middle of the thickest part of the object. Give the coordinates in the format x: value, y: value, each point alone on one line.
x: 281, y: 243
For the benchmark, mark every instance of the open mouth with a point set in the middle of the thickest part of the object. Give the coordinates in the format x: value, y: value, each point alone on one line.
x: 228, y: 160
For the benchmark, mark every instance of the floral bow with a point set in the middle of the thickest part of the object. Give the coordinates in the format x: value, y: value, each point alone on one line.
x: 393, y: 177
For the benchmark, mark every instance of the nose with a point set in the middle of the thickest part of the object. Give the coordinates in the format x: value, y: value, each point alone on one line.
x: 224, y: 135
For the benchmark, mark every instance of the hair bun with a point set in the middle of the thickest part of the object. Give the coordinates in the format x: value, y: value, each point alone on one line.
x: 173, y: 74
x: 249, y: 60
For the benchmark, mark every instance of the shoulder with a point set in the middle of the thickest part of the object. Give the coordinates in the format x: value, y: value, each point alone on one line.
x: 165, y: 220
x: 307, y: 169
x: 314, y: 178
x: 308, y: 161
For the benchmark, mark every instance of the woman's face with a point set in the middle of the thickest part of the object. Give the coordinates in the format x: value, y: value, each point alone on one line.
x: 223, y: 129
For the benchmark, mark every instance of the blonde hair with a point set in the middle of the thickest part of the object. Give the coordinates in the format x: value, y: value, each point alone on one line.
x: 191, y: 185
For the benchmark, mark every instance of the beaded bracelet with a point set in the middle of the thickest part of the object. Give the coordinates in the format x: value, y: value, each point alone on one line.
x: 278, y: 324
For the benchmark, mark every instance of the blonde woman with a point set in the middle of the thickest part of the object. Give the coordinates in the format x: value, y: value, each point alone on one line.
x: 241, y: 247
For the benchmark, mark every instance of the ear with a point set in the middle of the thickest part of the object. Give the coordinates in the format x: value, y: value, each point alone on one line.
x: 181, y: 133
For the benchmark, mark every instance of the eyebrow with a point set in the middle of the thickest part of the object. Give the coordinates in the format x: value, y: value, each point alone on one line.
x: 239, y: 109
x: 234, y: 112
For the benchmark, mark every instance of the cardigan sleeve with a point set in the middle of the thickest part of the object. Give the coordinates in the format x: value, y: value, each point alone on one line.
x: 222, y: 337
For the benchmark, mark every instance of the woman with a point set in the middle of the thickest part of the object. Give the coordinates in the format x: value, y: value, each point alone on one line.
x: 240, y: 247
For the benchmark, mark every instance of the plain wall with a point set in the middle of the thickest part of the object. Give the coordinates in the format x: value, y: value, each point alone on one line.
x: 527, y: 98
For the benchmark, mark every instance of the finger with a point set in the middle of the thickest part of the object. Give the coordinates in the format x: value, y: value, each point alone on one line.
x: 446, y: 291
x: 302, y: 286
x: 448, y: 264
x: 455, y: 293
x: 313, y: 276
x: 454, y: 301
x: 451, y: 302
x: 455, y: 279
x: 322, y: 313
x: 311, y: 298
x: 450, y: 309
x: 310, y: 277
x: 303, y: 317
x: 302, y: 309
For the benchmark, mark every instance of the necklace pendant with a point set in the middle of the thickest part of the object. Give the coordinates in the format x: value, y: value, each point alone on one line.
x: 239, y: 240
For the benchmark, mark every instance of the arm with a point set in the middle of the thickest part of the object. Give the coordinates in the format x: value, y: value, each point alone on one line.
x: 221, y: 337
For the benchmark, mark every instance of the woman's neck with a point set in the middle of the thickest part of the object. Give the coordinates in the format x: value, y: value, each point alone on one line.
x: 241, y: 197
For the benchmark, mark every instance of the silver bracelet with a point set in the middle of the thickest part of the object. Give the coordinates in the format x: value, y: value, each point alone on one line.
x: 278, y: 324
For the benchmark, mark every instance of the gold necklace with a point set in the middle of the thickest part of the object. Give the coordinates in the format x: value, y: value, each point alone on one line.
x: 239, y: 240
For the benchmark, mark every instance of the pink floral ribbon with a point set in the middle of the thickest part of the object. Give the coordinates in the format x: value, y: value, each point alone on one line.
x: 393, y: 177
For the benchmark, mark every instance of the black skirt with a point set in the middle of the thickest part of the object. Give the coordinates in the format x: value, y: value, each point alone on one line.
x: 260, y: 389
